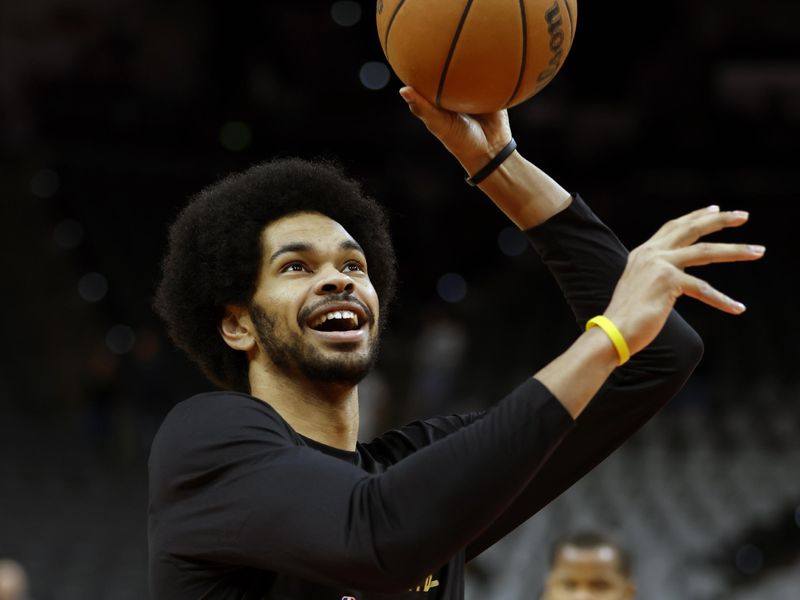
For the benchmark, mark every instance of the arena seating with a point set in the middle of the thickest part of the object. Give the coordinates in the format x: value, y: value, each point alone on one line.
x: 688, y: 506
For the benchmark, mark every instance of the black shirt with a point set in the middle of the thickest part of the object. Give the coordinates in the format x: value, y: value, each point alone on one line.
x: 242, y: 507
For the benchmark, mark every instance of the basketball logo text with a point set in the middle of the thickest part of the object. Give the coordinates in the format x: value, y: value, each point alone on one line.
x: 556, y: 32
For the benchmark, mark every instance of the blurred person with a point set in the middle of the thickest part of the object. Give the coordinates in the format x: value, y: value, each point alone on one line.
x: 277, y: 282
x: 13, y: 580
x: 589, y: 565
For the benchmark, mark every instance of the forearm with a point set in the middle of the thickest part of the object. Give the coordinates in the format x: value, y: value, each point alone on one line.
x: 577, y: 375
x: 587, y: 260
x: 629, y: 398
x: 525, y: 193
x: 583, y: 255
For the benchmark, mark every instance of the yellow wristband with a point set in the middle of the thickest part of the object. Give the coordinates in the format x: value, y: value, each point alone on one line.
x: 612, y: 332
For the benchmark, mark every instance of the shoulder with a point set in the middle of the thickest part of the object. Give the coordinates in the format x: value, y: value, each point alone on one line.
x: 228, y: 407
x: 222, y: 410
x: 219, y: 421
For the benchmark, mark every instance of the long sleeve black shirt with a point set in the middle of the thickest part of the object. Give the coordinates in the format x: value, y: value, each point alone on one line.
x: 243, y: 507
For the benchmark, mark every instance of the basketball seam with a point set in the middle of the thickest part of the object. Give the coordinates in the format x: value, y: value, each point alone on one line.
x: 524, y: 18
x: 571, y: 26
x: 451, y: 52
x: 389, y: 26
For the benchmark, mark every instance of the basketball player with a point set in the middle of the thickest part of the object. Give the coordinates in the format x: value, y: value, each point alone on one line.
x: 276, y: 282
x: 589, y: 566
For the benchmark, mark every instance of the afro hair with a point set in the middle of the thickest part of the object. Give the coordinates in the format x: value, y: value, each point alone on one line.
x: 215, y: 252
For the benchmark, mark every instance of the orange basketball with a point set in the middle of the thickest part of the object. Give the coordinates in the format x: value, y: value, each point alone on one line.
x: 476, y: 56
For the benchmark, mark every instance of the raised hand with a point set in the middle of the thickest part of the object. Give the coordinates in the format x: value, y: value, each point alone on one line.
x: 654, y: 277
x: 472, y: 139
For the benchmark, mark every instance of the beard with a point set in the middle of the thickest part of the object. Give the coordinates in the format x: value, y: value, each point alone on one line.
x: 291, y: 353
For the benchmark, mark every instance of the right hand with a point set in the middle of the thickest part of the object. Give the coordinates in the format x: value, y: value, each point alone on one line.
x: 473, y: 139
x: 654, y: 277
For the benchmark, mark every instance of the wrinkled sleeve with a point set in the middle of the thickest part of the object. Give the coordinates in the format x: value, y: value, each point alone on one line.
x: 396, y: 444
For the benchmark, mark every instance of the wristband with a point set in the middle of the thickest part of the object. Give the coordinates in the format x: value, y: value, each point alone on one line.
x: 492, y: 164
x: 612, y: 332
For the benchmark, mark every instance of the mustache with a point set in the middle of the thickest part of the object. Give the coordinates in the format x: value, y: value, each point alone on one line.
x: 305, y: 313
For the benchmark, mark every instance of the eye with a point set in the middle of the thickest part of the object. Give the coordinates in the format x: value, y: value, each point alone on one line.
x: 353, y: 266
x: 294, y: 267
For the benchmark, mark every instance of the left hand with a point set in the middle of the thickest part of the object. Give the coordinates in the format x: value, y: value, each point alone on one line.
x: 654, y: 277
x: 473, y: 139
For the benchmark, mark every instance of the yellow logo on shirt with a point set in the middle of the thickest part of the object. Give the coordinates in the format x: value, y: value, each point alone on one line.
x: 425, y: 586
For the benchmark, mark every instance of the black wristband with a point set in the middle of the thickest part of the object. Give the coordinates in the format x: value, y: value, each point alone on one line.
x: 492, y: 164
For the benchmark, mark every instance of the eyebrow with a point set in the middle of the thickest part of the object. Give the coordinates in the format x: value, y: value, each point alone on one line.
x: 305, y: 247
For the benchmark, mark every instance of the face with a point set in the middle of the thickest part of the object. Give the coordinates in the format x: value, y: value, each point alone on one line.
x: 315, y: 311
x: 588, y: 574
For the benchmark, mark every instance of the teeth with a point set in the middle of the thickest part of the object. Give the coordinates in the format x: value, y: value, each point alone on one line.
x: 337, y: 314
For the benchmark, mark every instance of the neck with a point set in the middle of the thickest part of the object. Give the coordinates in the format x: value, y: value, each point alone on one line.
x: 325, y: 412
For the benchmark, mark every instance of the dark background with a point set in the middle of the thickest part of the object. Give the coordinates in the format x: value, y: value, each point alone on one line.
x: 112, y: 113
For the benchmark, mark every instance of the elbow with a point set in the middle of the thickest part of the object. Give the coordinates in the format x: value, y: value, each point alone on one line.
x: 678, y: 348
x: 689, y: 351
x: 668, y: 363
x: 683, y: 353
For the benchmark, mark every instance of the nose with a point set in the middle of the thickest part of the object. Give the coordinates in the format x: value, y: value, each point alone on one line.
x: 333, y: 281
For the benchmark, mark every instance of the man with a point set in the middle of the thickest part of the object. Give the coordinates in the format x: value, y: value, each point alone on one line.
x: 589, y: 566
x: 276, y: 282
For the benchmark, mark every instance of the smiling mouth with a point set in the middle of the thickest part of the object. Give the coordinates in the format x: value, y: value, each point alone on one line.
x: 336, y: 320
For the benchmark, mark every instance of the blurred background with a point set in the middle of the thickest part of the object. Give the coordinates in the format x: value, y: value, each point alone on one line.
x: 113, y: 112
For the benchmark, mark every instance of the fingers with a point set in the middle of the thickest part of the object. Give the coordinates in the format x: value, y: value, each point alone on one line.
x: 435, y: 119
x: 709, y: 253
x: 472, y: 139
x: 700, y: 290
x: 495, y: 120
x: 689, y: 228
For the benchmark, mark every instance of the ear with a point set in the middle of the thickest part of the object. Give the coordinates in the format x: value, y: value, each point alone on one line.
x: 236, y: 329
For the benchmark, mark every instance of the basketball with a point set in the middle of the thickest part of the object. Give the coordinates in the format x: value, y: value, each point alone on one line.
x: 476, y: 56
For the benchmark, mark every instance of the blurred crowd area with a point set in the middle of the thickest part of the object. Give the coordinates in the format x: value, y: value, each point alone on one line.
x: 113, y: 112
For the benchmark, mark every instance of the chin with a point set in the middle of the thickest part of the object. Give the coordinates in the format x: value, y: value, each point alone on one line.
x: 336, y: 374
x: 339, y: 370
